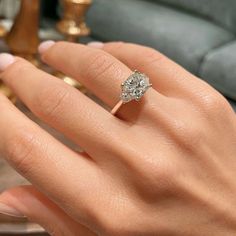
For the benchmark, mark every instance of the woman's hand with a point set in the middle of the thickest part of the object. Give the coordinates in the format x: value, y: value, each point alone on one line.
x: 164, y: 166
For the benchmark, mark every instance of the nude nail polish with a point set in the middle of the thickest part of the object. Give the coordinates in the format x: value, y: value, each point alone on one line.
x: 96, y: 44
x: 6, y: 60
x: 44, y: 46
x: 10, y: 211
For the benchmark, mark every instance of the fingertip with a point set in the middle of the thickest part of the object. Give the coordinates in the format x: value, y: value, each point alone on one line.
x: 6, y: 60
x: 96, y: 44
x: 8, y: 210
x: 8, y: 203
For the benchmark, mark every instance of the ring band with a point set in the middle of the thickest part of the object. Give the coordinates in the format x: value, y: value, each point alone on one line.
x: 133, y: 88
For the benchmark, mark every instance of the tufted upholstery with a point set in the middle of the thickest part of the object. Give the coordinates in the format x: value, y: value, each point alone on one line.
x: 198, y: 34
x: 220, y: 11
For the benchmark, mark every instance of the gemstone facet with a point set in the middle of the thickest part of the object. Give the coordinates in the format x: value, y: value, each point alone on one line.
x: 134, y: 87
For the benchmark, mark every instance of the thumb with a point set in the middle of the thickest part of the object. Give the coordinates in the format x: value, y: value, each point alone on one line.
x: 26, y: 201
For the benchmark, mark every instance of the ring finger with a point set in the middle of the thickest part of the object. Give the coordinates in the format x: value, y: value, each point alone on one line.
x: 100, y: 72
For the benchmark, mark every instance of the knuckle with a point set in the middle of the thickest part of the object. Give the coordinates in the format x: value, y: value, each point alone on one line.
x: 20, y: 149
x: 52, y: 101
x: 149, y: 168
x: 187, y: 136
x: 213, y: 103
x: 156, y: 171
x: 160, y: 175
x: 100, y: 63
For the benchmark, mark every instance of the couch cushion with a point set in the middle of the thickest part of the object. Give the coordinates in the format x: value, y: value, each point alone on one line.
x: 182, y: 37
x: 222, y: 12
x: 233, y: 104
x: 219, y: 69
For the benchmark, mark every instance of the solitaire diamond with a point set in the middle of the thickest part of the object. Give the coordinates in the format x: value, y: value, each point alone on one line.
x: 134, y: 87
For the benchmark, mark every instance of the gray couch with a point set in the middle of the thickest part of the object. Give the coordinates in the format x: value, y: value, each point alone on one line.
x: 198, y: 34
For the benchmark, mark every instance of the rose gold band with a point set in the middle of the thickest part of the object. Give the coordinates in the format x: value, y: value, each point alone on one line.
x: 116, y: 107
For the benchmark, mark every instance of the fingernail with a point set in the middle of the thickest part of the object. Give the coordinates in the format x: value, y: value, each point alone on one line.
x: 44, y: 46
x: 10, y: 211
x: 6, y: 60
x: 96, y: 44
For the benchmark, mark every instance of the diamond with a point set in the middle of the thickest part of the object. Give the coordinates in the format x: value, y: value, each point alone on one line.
x: 134, y: 87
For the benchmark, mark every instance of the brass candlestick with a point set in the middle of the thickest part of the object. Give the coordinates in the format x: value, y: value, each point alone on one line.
x: 73, y: 24
x: 23, y: 39
x: 3, y: 31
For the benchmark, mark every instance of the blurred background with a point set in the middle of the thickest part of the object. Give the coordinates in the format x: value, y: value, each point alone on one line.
x: 198, y: 34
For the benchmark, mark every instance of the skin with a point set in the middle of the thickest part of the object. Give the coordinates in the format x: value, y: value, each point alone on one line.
x: 163, y: 166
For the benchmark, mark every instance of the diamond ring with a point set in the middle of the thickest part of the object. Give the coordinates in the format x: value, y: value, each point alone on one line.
x: 132, y: 89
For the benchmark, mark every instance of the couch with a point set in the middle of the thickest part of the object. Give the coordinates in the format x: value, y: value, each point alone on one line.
x: 198, y: 34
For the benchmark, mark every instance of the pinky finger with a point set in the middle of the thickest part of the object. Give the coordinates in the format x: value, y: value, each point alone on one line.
x: 29, y: 202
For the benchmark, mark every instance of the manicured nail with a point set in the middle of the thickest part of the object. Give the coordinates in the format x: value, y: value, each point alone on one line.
x: 6, y: 60
x: 10, y: 211
x: 44, y: 46
x: 96, y: 44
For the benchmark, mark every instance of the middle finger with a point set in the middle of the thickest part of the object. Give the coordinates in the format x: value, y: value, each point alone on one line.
x: 63, y: 107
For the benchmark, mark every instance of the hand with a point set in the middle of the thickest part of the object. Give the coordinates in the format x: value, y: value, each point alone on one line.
x: 164, y: 166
